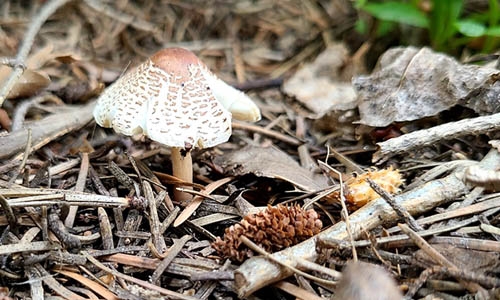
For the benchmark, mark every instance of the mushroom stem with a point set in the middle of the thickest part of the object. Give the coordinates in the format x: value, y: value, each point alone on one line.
x: 182, y: 168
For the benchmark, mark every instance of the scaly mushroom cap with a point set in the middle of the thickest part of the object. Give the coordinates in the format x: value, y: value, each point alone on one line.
x: 169, y: 98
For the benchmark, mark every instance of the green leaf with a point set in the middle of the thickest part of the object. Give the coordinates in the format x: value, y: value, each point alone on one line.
x: 404, y: 13
x: 470, y: 28
x: 493, y: 31
x: 361, y: 27
x: 443, y: 17
x: 360, y: 3
x: 384, y: 28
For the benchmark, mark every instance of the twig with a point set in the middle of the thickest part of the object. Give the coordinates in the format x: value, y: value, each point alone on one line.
x: 206, y: 290
x: 196, y: 202
x: 467, y: 243
x: 9, y: 214
x: 10, y: 249
x: 487, y: 281
x: 105, y: 229
x: 26, y: 154
x: 80, y: 186
x: 47, y: 129
x: 212, y: 275
x: 58, y: 228
x: 195, y: 193
x: 47, y: 10
x: 121, y: 17
x: 299, y: 58
x: 36, y: 287
x: 40, y: 197
x: 344, y: 213
x: 142, y: 283
x: 436, y: 256
x: 399, y: 238
x: 458, y: 212
x: 261, y: 251
x: 427, y: 137
x: 344, y: 160
x: 22, y: 109
x: 312, y: 266
x: 400, y: 210
x: 11, y: 62
x: 154, y: 221
x: 259, y: 84
x: 172, y: 253
x: 270, y: 133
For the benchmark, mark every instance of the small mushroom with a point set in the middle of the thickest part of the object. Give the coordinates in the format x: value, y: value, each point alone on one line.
x: 174, y: 99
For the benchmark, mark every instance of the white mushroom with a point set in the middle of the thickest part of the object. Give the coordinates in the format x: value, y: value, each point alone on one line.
x: 174, y: 99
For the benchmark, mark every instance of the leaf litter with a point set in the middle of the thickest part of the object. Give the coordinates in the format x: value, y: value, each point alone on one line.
x: 88, y: 213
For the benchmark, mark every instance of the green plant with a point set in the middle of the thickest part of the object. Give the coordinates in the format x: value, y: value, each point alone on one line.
x: 447, y: 25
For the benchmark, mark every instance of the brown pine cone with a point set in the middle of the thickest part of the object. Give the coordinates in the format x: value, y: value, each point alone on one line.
x: 272, y: 229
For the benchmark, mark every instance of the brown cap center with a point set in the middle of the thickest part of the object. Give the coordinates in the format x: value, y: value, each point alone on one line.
x: 175, y: 61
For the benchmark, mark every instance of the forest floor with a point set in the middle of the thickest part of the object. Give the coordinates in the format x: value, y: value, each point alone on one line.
x: 371, y: 172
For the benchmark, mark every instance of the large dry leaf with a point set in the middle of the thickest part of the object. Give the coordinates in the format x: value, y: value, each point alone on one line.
x: 465, y: 259
x: 33, y: 80
x: 411, y: 83
x: 320, y: 85
x: 272, y: 163
x: 29, y: 84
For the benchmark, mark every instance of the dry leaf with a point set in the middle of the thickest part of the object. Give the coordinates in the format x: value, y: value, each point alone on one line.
x: 271, y: 163
x: 465, y: 259
x: 321, y: 86
x: 30, y: 83
x: 411, y: 83
x: 33, y: 79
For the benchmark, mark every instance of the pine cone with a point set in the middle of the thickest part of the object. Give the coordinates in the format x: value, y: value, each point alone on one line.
x: 272, y: 229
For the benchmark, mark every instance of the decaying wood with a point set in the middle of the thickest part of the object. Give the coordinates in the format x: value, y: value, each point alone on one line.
x: 46, y: 130
x: 433, y: 135
x: 257, y: 272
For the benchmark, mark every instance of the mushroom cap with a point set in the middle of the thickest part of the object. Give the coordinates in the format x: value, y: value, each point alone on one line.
x: 169, y: 99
